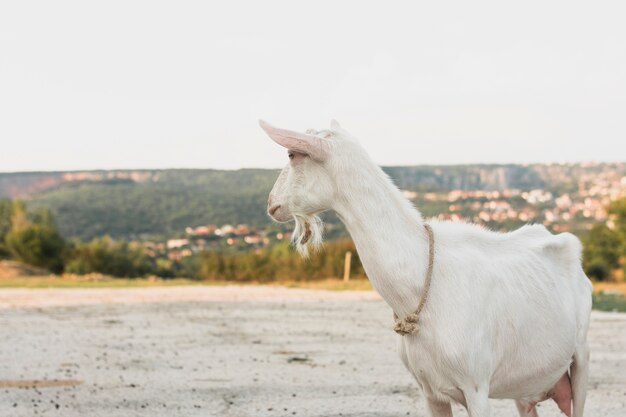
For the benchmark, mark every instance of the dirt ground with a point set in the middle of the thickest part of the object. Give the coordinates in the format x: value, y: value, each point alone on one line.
x: 231, y: 351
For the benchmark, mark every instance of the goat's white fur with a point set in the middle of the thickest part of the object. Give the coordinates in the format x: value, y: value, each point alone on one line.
x: 507, y: 314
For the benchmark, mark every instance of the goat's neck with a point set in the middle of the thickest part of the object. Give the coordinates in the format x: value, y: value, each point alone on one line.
x: 389, y: 236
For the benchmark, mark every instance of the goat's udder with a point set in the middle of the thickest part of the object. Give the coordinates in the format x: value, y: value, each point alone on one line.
x: 562, y: 395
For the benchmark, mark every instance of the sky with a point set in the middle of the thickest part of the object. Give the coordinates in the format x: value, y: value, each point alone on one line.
x: 179, y: 84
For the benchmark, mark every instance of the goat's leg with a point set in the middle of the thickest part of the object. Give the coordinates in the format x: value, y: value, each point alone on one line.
x: 477, y: 401
x: 579, y: 373
x: 526, y: 409
x: 438, y: 408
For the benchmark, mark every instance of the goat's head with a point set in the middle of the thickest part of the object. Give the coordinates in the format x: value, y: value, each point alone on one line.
x: 306, y: 185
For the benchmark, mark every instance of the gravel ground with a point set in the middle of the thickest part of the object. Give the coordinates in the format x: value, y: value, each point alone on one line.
x: 231, y: 351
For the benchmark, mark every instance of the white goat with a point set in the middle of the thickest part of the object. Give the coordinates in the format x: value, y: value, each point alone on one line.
x: 507, y: 313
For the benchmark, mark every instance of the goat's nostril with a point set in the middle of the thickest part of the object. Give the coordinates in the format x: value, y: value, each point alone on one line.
x: 273, y: 209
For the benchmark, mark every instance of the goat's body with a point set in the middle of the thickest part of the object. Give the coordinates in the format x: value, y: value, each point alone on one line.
x: 507, y: 311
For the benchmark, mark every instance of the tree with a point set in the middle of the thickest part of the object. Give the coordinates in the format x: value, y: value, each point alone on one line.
x: 6, y: 208
x: 604, y: 246
x: 37, y: 245
x: 602, y: 249
x: 618, y: 211
x: 32, y: 239
x: 19, y: 216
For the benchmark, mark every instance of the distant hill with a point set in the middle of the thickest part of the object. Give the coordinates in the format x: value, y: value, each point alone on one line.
x: 131, y: 203
x: 127, y: 203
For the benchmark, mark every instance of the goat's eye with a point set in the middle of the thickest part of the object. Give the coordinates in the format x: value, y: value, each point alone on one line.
x: 290, y: 154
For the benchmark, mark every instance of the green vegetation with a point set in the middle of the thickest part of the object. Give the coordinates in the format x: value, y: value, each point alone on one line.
x: 276, y: 263
x: 609, y: 302
x: 32, y: 238
x: 163, y: 205
x: 605, y: 248
x: 6, y: 210
x: 109, y: 257
x: 601, y: 252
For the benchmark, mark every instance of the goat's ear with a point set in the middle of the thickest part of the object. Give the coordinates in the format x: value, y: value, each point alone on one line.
x: 316, y: 147
x: 334, y: 125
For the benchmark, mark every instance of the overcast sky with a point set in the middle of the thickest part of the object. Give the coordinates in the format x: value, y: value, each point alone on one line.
x: 147, y: 84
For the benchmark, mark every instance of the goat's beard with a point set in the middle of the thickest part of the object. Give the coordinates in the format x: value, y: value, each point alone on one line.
x: 308, y: 232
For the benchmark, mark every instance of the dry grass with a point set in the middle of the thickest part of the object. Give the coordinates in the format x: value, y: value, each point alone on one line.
x: 610, y: 287
x: 330, y: 284
x: 97, y: 281
x: 101, y: 281
x: 53, y: 281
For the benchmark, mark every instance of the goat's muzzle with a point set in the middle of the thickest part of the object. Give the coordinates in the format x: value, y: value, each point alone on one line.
x: 273, y: 209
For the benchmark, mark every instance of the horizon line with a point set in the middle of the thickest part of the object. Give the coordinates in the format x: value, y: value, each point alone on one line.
x: 562, y: 163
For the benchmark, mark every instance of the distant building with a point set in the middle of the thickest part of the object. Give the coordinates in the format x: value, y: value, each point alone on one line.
x: 177, y: 243
x: 252, y: 239
x: 225, y: 230
x: 242, y: 229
